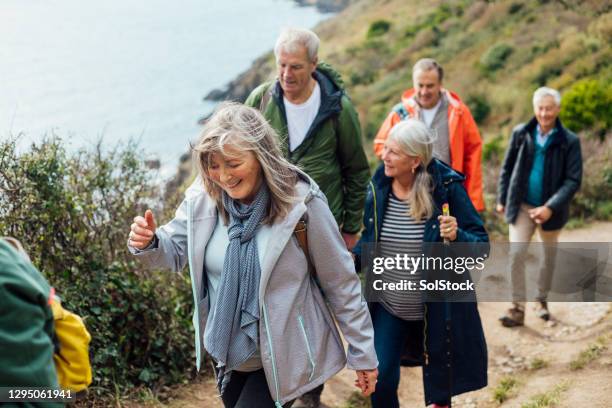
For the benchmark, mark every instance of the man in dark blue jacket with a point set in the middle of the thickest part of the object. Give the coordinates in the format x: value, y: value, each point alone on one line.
x: 541, y: 173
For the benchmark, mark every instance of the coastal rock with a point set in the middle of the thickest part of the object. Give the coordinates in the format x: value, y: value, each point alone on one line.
x: 238, y: 89
x: 325, y: 6
x: 262, y: 68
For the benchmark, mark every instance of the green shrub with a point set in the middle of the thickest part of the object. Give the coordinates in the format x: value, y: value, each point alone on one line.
x: 440, y: 15
x: 588, y: 105
x: 432, y: 20
x: 73, y: 212
x: 515, y: 8
x: 479, y: 106
x: 546, y: 73
x: 495, y: 57
x: 593, y: 199
x: 411, y: 31
x: 493, y: 149
x: 362, y: 77
x: 378, y: 28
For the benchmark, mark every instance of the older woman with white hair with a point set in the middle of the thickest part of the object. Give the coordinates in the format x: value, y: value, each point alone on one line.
x: 404, y: 213
x: 265, y: 320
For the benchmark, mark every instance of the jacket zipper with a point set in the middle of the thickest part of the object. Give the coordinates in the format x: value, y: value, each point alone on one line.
x: 308, y: 349
x: 277, y: 403
x: 425, y: 353
x: 375, y: 212
x: 193, y: 284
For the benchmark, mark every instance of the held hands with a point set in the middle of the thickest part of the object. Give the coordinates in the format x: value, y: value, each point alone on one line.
x: 366, y: 380
x: 142, y: 230
x: 500, y: 208
x: 448, y: 227
x: 540, y: 215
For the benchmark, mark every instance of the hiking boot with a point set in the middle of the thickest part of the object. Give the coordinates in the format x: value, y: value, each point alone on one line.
x: 514, y: 317
x: 308, y: 401
x: 542, y: 311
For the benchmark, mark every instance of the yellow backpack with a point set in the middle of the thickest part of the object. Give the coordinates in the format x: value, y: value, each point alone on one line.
x: 72, y: 358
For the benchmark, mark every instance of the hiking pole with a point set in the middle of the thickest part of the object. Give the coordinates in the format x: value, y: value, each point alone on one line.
x: 446, y: 213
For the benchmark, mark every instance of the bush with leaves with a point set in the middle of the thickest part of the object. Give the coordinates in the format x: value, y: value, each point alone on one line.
x: 479, y: 106
x: 588, y: 105
x: 73, y: 213
x: 378, y: 28
x: 495, y: 57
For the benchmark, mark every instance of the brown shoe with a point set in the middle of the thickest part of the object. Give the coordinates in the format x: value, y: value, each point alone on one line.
x: 514, y: 317
x: 542, y: 311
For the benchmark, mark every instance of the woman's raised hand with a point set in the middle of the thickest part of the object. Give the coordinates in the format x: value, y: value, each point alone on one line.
x: 142, y: 230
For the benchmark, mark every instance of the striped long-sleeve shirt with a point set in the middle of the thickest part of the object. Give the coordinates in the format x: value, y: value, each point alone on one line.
x: 401, y: 234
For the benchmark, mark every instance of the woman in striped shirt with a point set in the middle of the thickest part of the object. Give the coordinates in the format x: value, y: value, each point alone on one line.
x: 403, y: 214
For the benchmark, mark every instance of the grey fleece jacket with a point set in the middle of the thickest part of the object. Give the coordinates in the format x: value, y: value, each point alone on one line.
x: 299, y: 341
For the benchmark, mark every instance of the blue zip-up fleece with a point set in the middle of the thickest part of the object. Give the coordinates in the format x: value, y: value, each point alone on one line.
x: 454, y: 358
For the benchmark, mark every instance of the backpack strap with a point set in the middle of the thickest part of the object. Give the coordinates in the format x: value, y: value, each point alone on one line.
x: 401, y: 111
x: 301, y: 234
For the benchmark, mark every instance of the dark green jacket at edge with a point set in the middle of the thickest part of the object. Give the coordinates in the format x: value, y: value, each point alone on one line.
x: 332, y: 151
x: 26, y: 327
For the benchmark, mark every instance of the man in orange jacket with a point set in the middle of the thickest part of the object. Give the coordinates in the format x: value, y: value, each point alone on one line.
x: 458, y: 143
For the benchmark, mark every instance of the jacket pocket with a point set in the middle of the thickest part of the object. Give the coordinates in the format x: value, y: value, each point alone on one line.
x: 308, y: 347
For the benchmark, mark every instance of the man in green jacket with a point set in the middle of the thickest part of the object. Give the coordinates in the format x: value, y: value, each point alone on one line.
x: 318, y: 126
x: 26, y: 326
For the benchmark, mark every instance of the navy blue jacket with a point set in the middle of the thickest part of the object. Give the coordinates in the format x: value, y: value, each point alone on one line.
x: 562, y: 173
x: 455, y: 355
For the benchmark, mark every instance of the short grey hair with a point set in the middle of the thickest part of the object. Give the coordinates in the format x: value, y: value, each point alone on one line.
x: 290, y: 39
x: 546, y: 91
x: 428, y: 64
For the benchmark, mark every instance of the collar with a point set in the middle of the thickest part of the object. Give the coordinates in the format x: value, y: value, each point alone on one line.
x: 544, y: 135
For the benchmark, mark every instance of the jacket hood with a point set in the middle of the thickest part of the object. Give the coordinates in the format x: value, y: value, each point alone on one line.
x: 306, y: 188
x: 440, y: 172
x: 331, y: 74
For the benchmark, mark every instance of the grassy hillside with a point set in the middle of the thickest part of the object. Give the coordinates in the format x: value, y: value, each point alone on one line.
x: 495, y: 54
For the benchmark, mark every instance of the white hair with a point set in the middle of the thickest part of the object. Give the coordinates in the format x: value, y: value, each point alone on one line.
x: 292, y: 38
x: 416, y: 139
x: 546, y: 91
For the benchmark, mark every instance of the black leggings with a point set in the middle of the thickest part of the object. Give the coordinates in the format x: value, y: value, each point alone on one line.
x: 249, y: 390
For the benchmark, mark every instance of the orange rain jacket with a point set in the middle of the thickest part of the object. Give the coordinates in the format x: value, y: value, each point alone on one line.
x: 465, y: 141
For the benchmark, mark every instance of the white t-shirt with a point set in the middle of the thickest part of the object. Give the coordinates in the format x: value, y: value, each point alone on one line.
x: 430, y: 114
x: 300, y: 117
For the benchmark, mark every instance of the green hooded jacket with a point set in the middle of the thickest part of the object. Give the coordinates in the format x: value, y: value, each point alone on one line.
x: 332, y: 151
x: 26, y: 327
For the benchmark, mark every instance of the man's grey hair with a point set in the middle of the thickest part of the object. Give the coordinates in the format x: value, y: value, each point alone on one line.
x: 291, y: 39
x: 427, y: 64
x: 546, y: 91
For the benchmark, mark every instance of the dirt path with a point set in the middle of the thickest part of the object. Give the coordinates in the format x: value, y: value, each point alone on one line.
x: 537, y: 358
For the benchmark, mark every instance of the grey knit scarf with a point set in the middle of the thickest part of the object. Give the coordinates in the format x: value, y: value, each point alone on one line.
x: 233, y: 333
